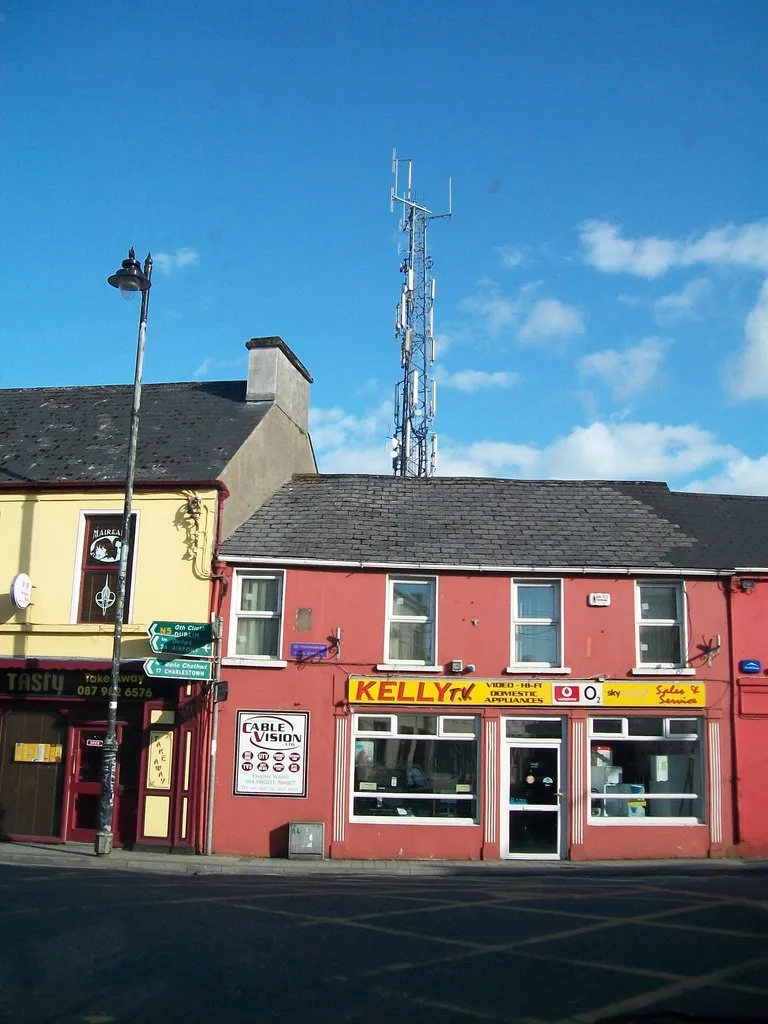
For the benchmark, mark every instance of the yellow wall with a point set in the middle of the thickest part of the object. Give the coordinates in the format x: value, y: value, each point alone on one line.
x: 39, y: 536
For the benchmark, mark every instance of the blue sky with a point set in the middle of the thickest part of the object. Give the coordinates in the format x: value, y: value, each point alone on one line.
x: 602, y: 306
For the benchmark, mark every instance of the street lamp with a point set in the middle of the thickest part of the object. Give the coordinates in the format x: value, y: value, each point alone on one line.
x: 129, y: 280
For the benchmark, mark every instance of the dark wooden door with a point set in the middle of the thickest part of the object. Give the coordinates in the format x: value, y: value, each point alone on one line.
x: 32, y: 745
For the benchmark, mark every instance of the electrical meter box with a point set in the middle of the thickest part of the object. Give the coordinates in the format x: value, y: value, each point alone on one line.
x: 306, y: 840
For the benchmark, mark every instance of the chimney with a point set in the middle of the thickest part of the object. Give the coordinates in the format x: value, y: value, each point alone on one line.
x: 276, y: 375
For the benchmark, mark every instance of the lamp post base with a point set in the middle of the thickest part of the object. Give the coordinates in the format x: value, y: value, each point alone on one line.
x: 103, y: 843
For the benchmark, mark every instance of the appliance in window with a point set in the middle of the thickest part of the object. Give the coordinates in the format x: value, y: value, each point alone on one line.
x: 652, y: 770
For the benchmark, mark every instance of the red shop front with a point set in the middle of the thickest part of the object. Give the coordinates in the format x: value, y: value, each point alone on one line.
x: 53, y: 721
x: 451, y: 769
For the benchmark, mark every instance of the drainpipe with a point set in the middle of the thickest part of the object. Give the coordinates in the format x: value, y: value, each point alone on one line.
x: 217, y: 597
x: 736, y: 809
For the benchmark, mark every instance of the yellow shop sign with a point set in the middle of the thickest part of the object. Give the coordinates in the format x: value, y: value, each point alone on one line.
x: 526, y: 693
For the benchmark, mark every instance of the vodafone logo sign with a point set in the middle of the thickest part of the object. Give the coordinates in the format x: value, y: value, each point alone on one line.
x: 577, y: 693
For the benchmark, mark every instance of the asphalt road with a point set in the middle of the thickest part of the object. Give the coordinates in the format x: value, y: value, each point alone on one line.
x: 97, y: 947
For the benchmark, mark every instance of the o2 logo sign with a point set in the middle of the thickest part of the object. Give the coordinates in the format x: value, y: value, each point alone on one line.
x: 571, y: 693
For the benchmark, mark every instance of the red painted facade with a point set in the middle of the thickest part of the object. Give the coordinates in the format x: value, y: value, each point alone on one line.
x: 473, y: 623
x: 749, y: 613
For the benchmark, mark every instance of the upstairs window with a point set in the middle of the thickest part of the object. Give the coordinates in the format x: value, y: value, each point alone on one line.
x: 258, y: 609
x: 100, y: 560
x: 411, y: 620
x: 536, y: 624
x: 660, y: 625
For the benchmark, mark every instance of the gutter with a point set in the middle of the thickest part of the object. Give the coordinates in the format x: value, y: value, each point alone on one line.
x: 27, y: 486
x: 583, y: 570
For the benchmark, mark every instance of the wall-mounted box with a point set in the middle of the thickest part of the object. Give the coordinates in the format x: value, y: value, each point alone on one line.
x: 306, y: 839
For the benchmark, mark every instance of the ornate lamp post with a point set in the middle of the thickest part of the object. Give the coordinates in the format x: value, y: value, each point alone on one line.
x: 130, y: 279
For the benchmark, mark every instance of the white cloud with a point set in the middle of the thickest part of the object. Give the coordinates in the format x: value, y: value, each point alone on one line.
x: 475, y: 380
x: 209, y: 363
x: 496, y: 312
x: 683, y: 303
x: 600, y: 451
x: 551, y: 318
x: 511, y: 258
x: 627, y: 372
x: 169, y: 261
x: 606, y: 249
x: 740, y: 475
x: 345, y: 443
x: 748, y: 378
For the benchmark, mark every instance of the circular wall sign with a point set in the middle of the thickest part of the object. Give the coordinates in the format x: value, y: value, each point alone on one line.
x: 21, y: 590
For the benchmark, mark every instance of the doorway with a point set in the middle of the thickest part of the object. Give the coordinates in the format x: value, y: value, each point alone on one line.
x: 86, y: 749
x: 532, y: 789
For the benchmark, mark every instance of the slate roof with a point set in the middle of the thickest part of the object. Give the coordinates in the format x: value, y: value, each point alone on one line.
x: 471, y: 522
x: 187, y: 431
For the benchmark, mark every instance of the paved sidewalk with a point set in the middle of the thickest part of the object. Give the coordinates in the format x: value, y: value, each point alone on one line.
x: 78, y: 855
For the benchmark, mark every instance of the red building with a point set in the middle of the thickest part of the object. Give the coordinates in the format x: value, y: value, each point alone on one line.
x: 465, y: 669
x: 749, y: 614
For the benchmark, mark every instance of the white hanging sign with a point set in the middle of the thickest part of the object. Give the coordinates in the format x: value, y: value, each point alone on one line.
x: 21, y: 590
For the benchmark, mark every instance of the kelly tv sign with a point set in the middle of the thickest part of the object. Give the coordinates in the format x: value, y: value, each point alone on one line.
x: 271, y: 753
x: 526, y: 693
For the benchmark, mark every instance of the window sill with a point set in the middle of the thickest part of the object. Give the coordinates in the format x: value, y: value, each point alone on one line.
x: 641, y: 670
x: 409, y: 667
x: 255, y: 662
x: 403, y: 819
x: 530, y: 670
x: 645, y: 822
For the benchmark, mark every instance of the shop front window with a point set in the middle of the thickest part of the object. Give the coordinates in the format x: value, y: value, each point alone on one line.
x: 415, y: 767
x: 646, y: 768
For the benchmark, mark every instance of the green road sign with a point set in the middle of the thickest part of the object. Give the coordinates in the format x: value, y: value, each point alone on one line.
x: 177, y: 668
x: 188, y: 646
x: 201, y: 631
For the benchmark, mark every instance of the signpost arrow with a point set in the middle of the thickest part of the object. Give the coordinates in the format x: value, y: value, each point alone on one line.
x: 201, y: 631
x: 189, y: 639
x: 178, y: 668
x: 188, y: 646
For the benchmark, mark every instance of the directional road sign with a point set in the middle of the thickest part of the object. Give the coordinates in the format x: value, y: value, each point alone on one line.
x: 178, y: 668
x: 188, y: 646
x: 191, y: 639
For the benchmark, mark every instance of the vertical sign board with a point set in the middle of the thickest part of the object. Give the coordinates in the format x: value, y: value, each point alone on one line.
x: 271, y: 753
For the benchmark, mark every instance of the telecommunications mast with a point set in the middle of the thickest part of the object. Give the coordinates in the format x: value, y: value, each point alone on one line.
x: 414, y: 446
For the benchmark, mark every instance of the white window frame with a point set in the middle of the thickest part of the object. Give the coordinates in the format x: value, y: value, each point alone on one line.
x: 698, y: 734
x: 650, y: 668
x: 393, y: 733
x: 516, y: 666
x: 389, y: 618
x: 77, y: 582
x: 256, y: 660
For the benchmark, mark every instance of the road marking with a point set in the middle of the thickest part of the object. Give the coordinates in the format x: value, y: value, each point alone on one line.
x: 667, y: 992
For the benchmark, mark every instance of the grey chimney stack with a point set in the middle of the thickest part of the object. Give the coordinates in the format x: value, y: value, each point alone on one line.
x: 276, y: 375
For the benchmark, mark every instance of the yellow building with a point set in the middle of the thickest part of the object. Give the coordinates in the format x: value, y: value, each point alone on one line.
x: 209, y: 454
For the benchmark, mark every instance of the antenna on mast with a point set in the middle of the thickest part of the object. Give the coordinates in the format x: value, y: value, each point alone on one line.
x: 414, y: 445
